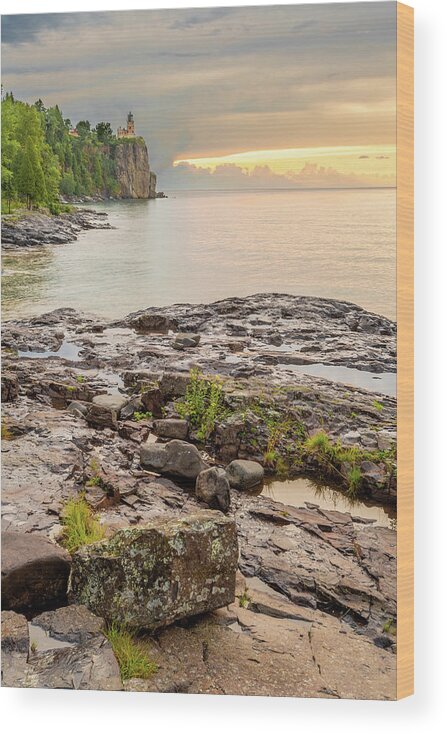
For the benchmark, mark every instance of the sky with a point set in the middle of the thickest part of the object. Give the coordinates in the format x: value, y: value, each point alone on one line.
x: 243, y: 97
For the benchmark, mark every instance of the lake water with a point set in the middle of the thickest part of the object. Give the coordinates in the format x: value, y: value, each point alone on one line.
x: 204, y: 246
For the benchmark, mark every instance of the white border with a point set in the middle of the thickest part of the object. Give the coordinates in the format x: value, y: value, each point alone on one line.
x: 88, y: 712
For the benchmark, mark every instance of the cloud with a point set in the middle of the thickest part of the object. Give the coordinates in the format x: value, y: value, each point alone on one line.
x: 230, y: 176
x: 214, y: 81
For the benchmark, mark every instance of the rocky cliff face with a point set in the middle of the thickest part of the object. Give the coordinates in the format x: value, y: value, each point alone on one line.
x: 132, y: 170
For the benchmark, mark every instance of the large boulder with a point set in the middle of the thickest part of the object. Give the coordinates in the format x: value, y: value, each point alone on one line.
x: 152, y: 575
x: 171, y: 428
x: 175, y: 458
x: 213, y: 488
x: 34, y: 573
x: 243, y: 474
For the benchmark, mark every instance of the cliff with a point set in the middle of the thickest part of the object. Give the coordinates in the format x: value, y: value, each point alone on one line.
x: 132, y: 171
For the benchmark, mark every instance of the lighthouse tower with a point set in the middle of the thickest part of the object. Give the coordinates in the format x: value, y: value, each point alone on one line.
x: 129, y: 131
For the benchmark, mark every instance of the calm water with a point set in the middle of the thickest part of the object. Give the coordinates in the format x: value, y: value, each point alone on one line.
x: 203, y: 246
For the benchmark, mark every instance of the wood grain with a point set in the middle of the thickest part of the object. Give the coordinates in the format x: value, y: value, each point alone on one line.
x: 405, y: 353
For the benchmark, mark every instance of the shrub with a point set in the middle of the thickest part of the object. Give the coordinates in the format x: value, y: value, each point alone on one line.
x: 132, y: 657
x: 203, y: 404
x: 80, y: 525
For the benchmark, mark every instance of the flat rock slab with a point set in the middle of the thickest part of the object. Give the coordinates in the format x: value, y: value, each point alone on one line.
x: 73, y: 624
x: 34, y: 572
x: 150, y: 576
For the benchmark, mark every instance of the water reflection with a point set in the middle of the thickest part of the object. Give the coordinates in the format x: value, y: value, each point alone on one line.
x: 298, y: 491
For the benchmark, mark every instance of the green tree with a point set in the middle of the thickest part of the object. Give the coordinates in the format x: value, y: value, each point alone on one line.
x: 104, y: 132
x: 29, y: 178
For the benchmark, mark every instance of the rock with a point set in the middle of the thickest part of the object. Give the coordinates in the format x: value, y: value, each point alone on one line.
x: 150, y: 576
x: 131, y: 169
x: 104, y: 411
x: 185, y: 341
x: 150, y: 322
x: 34, y: 573
x: 77, y: 408
x: 73, y: 624
x: 35, y: 228
x: 15, y: 635
x: 213, y: 488
x: 126, y: 413
x: 171, y: 428
x: 175, y: 458
x: 152, y: 400
x: 10, y: 387
x: 244, y: 474
x: 174, y: 384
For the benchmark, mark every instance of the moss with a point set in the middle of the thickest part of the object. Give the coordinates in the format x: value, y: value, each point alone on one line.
x: 6, y: 433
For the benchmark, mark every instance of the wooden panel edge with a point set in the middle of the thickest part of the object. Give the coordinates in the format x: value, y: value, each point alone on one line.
x: 405, y: 351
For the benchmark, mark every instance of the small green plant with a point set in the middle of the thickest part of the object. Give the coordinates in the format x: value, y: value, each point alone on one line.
x: 203, y: 404
x: 80, y: 379
x: 94, y: 481
x: 354, y: 479
x: 378, y: 406
x: 80, y: 525
x: 138, y: 416
x: 389, y: 627
x: 6, y: 433
x: 244, y: 600
x: 131, y: 654
x: 33, y: 647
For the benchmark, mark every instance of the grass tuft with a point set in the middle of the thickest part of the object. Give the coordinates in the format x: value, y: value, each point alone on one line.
x: 6, y: 433
x: 131, y: 654
x: 80, y: 525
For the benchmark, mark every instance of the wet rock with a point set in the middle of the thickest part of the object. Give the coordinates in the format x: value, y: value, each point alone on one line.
x: 152, y: 575
x: 35, y: 228
x: 15, y: 635
x: 34, y: 573
x: 243, y: 474
x: 74, y: 624
x: 105, y: 411
x: 88, y: 666
x: 213, y: 488
x: 148, y: 322
x: 79, y: 409
x: 186, y: 341
x: 175, y: 458
x: 10, y: 387
x: 171, y: 428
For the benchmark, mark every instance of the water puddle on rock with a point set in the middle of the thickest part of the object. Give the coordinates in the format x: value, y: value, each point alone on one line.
x: 381, y: 382
x: 67, y: 350
x: 298, y: 491
x: 41, y: 640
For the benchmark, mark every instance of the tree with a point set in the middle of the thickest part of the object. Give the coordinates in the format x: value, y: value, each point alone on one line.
x: 83, y: 128
x: 104, y: 132
x: 30, y: 179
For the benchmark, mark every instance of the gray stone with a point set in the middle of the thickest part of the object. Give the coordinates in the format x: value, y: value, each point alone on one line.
x: 244, y: 474
x: 171, y: 428
x: 185, y: 341
x: 175, y: 458
x: 74, y: 624
x: 78, y: 408
x: 152, y: 575
x: 213, y: 488
x: 104, y: 411
x: 34, y: 572
x: 15, y: 636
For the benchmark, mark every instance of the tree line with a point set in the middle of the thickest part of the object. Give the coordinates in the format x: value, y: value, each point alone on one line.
x: 41, y: 159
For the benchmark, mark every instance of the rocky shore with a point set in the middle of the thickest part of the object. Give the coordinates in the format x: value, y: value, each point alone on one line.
x: 167, y: 422
x: 34, y: 229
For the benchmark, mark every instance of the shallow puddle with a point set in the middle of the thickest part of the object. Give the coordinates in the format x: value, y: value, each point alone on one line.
x: 381, y: 382
x: 40, y: 639
x: 298, y: 491
x: 67, y: 350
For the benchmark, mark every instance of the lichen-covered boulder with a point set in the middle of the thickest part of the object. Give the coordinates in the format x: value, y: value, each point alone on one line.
x: 152, y: 575
x: 243, y: 474
x: 212, y: 487
x: 175, y: 458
